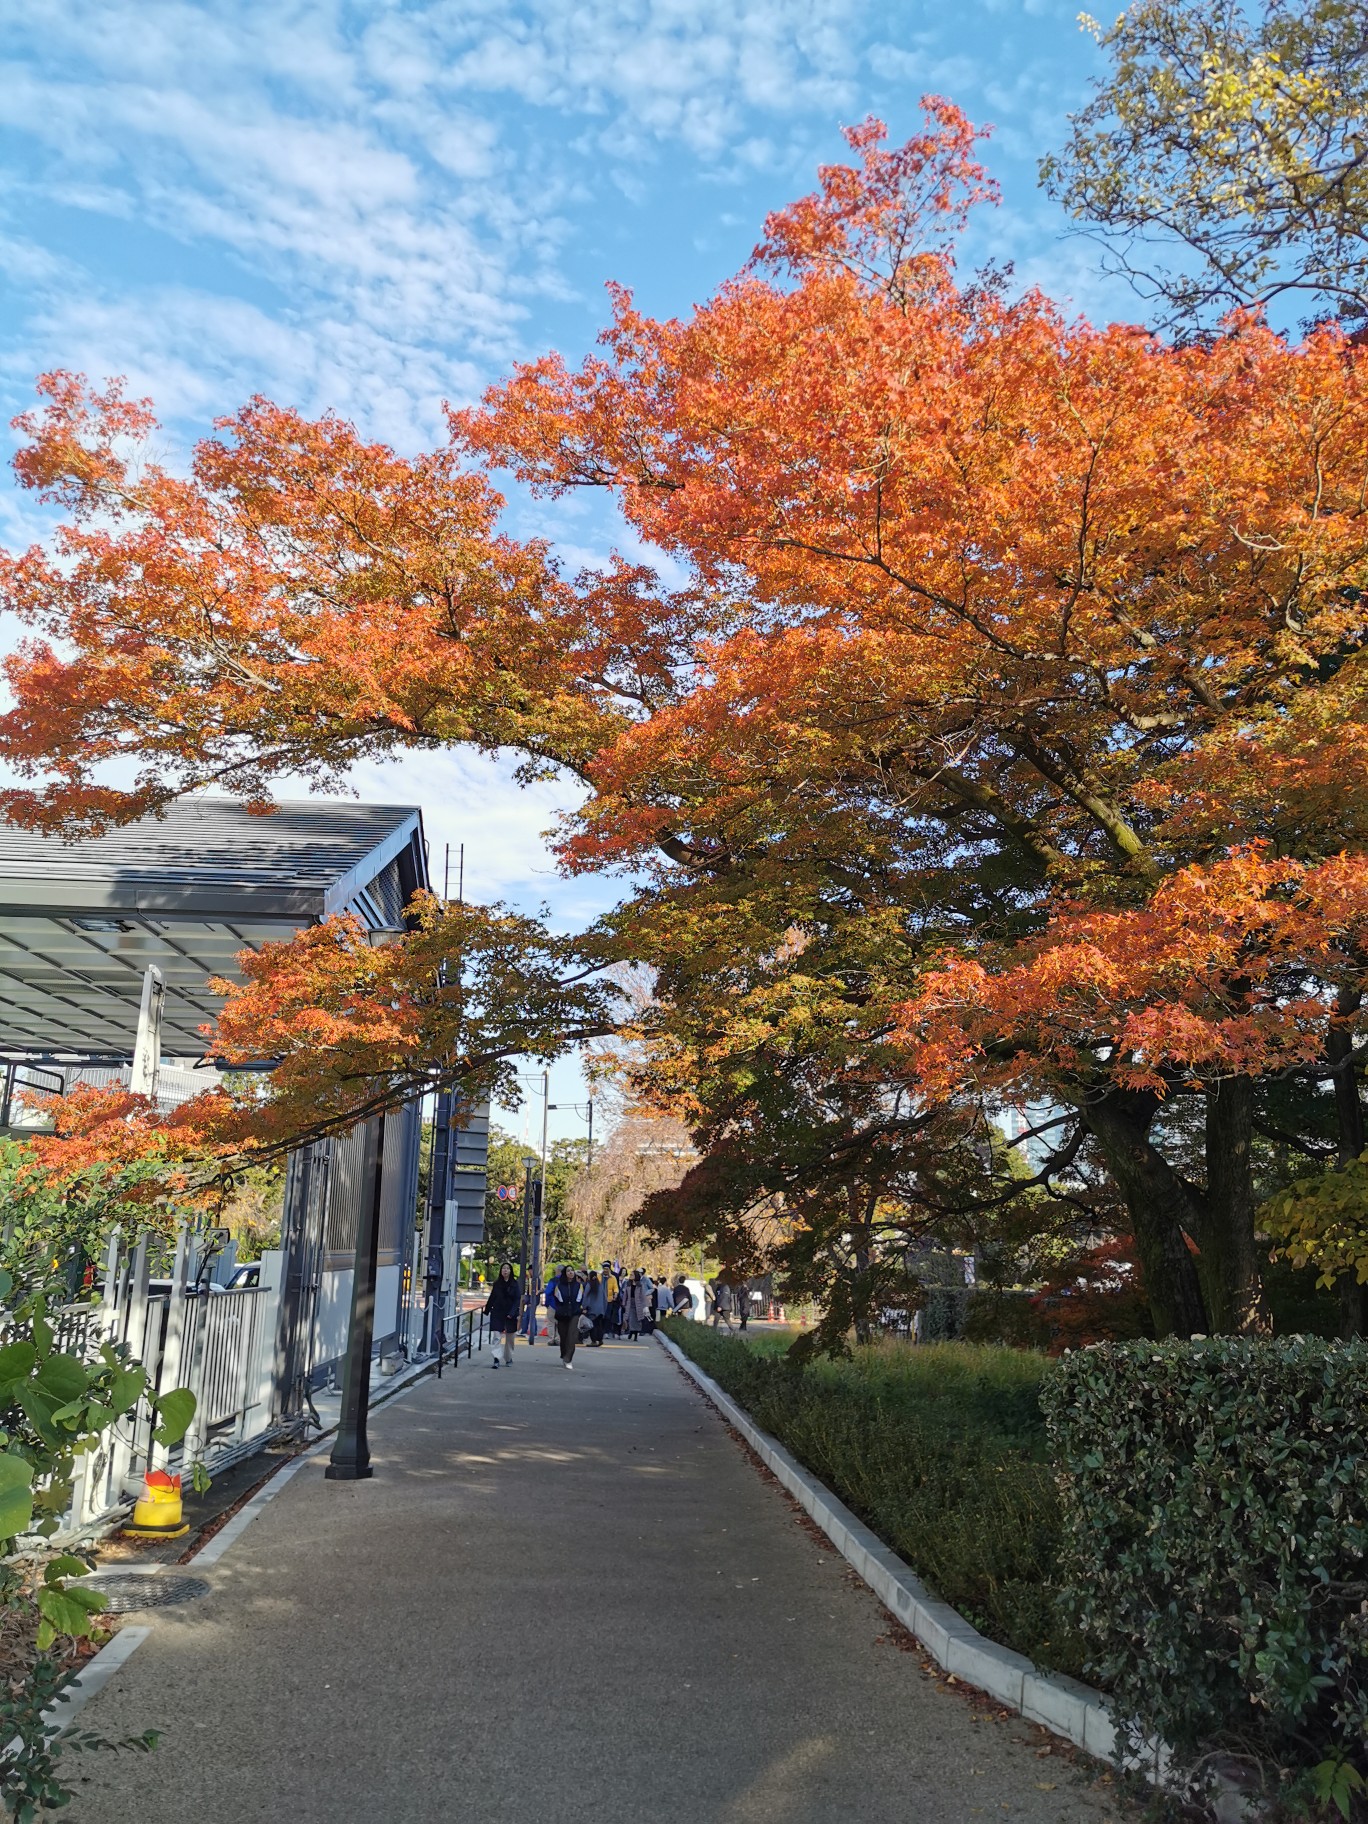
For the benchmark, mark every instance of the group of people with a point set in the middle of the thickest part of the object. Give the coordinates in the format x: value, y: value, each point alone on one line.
x: 586, y: 1305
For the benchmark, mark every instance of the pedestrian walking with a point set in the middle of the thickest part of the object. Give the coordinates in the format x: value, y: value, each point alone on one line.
x: 612, y: 1292
x: 565, y: 1300
x: 501, y: 1308
x: 595, y: 1309
x: 743, y: 1303
x: 721, y: 1303
x: 683, y: 1298
x: 634, y: 1306
x: 528, y: 1326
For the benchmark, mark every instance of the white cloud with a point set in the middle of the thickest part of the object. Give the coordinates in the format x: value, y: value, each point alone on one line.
x: 383, y: 220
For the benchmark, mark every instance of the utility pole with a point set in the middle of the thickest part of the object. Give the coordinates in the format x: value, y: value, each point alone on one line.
x: 439, y: 1190
x: 529, y: 1296
x: 539, y: 1207
x: 588, y: 1160
x: 350, y: 1459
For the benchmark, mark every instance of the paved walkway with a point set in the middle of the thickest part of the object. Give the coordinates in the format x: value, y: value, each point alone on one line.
x: 563, y: 1597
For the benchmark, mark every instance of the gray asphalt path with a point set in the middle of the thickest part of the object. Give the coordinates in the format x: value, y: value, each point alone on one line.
x: 563, y: 1597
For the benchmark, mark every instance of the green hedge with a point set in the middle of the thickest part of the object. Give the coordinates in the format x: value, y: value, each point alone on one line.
x: 941, y: 1451
x: 1216, y: 1540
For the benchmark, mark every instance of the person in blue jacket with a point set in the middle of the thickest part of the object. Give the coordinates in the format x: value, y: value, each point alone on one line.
x: 546, y: 1300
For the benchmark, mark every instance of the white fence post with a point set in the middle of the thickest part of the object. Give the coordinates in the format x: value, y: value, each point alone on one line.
x: 172, y: 1367
x: 126, y: 1451
x: 90, y: 1491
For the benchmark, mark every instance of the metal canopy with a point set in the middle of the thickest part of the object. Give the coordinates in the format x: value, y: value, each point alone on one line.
x: 80, y: 921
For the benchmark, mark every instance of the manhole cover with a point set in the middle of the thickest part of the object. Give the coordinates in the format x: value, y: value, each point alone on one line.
x: 155, y: 1592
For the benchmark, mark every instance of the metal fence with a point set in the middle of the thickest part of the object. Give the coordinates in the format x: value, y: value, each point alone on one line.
x: 219, y: 1343
x: 186, y: 1333
x: 469, y: 1331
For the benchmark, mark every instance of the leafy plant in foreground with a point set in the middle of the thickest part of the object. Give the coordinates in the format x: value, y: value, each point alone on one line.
x: 55, y: 1407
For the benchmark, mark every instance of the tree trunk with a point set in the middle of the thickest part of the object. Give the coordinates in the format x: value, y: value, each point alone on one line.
x: 1339, y: 1050
x: 1229, y: 1263
x: 862, y: 1312
x: 1160, y: 1206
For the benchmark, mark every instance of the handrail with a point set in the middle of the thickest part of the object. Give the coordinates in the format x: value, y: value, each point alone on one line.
x: 472, y: 1332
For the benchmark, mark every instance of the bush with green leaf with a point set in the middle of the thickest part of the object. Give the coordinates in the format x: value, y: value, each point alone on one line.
x: 1215, y: 1547
x: 55, y: 1406
x: 940, y: 1449
x: 1321, y: 1221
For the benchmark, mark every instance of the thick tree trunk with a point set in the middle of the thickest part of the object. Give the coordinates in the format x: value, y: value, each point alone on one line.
x: 1339, y: 1050
x: 1229, y: 1264
x: 1160, y: 1206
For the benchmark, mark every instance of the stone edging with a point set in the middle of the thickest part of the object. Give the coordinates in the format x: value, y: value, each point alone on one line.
x: 1062, y: 1704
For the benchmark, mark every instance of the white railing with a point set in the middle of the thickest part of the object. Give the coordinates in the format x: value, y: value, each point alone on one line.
x: 218, y: 1343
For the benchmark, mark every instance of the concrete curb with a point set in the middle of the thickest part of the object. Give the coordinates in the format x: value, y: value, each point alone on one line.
x: 96, y: 1675
x: 232, y: 1530
x: 1057, y: 1703
x: 92, y: 1679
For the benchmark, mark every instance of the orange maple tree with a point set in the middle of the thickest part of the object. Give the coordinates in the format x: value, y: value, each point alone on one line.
x: 1029, y: 618
x: 1022, y: 645
x: 350, y: 1029
x: 300, y: 599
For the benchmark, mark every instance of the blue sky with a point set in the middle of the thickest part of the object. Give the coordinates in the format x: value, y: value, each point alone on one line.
x: 370, y: 208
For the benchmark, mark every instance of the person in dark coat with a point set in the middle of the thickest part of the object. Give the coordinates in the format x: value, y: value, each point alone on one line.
x: 741, y: 1295
x: 634, y: 1305
x: 501, y: 1308
x: 566, y: 1300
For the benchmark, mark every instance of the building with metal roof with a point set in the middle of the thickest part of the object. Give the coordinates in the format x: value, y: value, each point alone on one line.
x: 185, y: 893
x: 80, y: 921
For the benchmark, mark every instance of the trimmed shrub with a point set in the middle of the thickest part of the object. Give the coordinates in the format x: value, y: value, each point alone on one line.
x: 1215, y: 1545
x: 940, y: 1449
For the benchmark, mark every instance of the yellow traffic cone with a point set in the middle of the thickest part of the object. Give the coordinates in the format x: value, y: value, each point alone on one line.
x: 159, y: 1515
